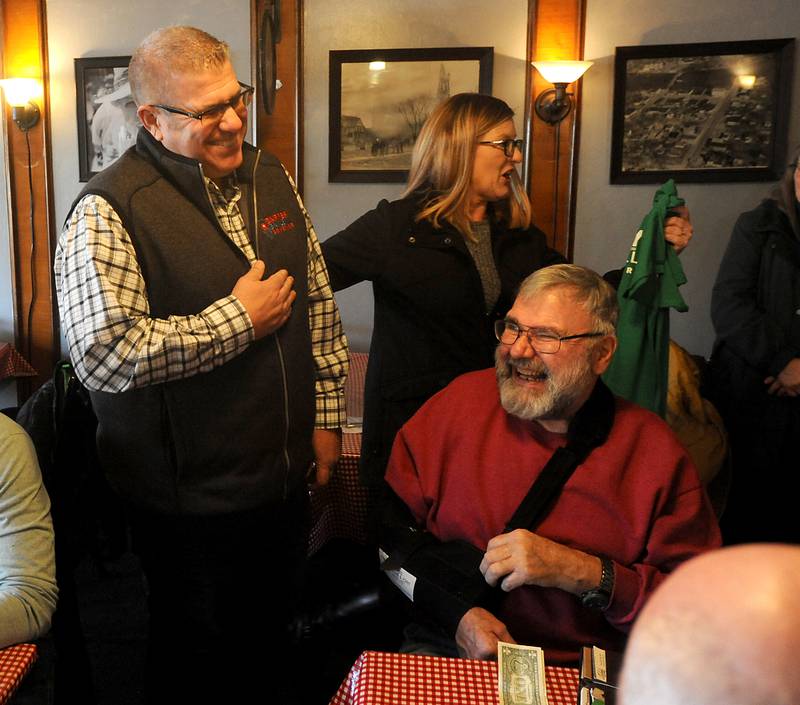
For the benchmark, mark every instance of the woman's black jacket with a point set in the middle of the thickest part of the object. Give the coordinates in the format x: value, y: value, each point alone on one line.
x: 430, y: 323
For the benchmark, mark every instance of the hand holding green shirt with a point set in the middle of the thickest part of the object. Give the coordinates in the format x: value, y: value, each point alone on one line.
x: 648, y: 289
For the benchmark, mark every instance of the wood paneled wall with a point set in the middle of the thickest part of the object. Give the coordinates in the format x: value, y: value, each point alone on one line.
x: 281, y: 132
x: 30, y: 182
x: 557, y: 27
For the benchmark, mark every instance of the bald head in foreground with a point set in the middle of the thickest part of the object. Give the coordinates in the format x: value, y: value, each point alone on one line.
x: 724, y: 628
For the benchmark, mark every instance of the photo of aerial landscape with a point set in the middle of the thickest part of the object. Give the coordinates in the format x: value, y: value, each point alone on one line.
x: 703, y: 112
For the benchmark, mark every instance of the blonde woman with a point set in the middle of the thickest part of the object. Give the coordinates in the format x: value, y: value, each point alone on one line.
x: 444, y: 261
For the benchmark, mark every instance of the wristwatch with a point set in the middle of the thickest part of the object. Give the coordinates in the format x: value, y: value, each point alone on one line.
x: 599, y: 597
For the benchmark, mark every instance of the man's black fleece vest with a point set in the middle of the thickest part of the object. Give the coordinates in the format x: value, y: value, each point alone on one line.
x: 239, y: 436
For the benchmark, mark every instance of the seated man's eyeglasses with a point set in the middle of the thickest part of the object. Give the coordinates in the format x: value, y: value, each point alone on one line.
x: 508, y: 146
x: 508, y: 331
x: 210, y: 116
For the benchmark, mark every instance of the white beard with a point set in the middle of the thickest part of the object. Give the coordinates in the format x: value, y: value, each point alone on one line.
x: 552, y: 403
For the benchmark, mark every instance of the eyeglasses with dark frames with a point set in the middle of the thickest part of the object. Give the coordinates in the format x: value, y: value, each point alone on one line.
x: 214, y: 114
x: 508, y: 146
x: 507, y: 332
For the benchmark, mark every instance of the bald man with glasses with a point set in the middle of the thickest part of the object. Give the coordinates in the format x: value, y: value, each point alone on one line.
x: 483, y: 545
x: 198, y: 313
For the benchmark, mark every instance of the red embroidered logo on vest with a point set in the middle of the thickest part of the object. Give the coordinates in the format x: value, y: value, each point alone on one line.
x: 277, y: 223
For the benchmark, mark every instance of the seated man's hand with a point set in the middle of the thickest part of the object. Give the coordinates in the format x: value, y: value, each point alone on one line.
x: 678, y: 229
x: 268, y: 302
x: 524, y: 558
x: 478, y: 633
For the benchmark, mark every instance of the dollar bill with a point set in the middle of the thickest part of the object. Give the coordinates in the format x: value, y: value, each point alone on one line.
x: 520, y: 674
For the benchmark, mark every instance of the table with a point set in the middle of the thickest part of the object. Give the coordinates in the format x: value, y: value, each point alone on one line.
x: 389, y: 679
x: 339, y: 510
x: 12, y: 364
x: 15, y: 662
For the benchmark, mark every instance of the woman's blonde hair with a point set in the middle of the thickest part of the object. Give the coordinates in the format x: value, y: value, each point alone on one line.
x: 443, y: 159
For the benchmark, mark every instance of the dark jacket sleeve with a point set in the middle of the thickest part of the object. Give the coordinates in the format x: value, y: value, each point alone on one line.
x: 740, y: 316
x: 552, y: 256
x: 448, y: 579
x: 358, y: 252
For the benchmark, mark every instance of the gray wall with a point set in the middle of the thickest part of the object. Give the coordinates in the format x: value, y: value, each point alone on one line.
x: 608, y: 216
x: 8, y: 389
x: 380, y: 24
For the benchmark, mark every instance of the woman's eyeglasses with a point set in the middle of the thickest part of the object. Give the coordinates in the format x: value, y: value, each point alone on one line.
x: 508, y: 146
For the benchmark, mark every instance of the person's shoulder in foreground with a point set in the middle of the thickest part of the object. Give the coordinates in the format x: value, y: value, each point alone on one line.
x: 28, y: 589
x: 723, y: 628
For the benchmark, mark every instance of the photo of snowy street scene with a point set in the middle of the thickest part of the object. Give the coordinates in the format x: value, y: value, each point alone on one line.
x: 385, y: 103
x: 384, y: 109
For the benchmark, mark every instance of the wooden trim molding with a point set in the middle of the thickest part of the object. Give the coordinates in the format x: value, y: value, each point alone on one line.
x: 31, y: 219
x: 279, y: 133
x: 556, y: 32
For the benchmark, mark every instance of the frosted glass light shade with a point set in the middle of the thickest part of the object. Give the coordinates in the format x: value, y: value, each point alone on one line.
x: 20, y: 91
x: 561, y: 71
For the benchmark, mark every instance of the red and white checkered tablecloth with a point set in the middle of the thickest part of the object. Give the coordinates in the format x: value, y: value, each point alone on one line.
x: 405, y: 679
x: 15, y: 662
x: 12, y: 364
x: 354, y: 386
x: 562, y: 685
x: 339, y: 510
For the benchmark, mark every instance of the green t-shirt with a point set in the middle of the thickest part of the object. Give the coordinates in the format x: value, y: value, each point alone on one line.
x: 648, y: 289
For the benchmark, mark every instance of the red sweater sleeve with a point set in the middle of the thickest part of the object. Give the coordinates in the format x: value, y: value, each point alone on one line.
x: 686, y: 529
x: 401, y: 474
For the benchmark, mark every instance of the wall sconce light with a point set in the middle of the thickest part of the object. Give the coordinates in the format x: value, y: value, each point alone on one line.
x: 554, y: 104
x: 19, y: 93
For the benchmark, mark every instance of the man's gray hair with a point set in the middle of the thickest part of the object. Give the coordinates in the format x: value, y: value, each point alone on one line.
x: 168, y: 53
x: 588, y: 289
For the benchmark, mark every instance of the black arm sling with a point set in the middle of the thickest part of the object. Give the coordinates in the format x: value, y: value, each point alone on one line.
x: 453, y: 568
x: 587, y: 430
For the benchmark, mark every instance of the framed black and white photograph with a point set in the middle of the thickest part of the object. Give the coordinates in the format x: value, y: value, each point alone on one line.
x: 701, y: 112
x: 107, y: 120
x: 380, y: 98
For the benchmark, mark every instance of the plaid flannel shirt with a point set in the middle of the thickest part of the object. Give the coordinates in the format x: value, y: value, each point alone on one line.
x: 114, y: 343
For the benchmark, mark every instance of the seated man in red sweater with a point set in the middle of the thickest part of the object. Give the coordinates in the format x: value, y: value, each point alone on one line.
x: 578, y: 570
